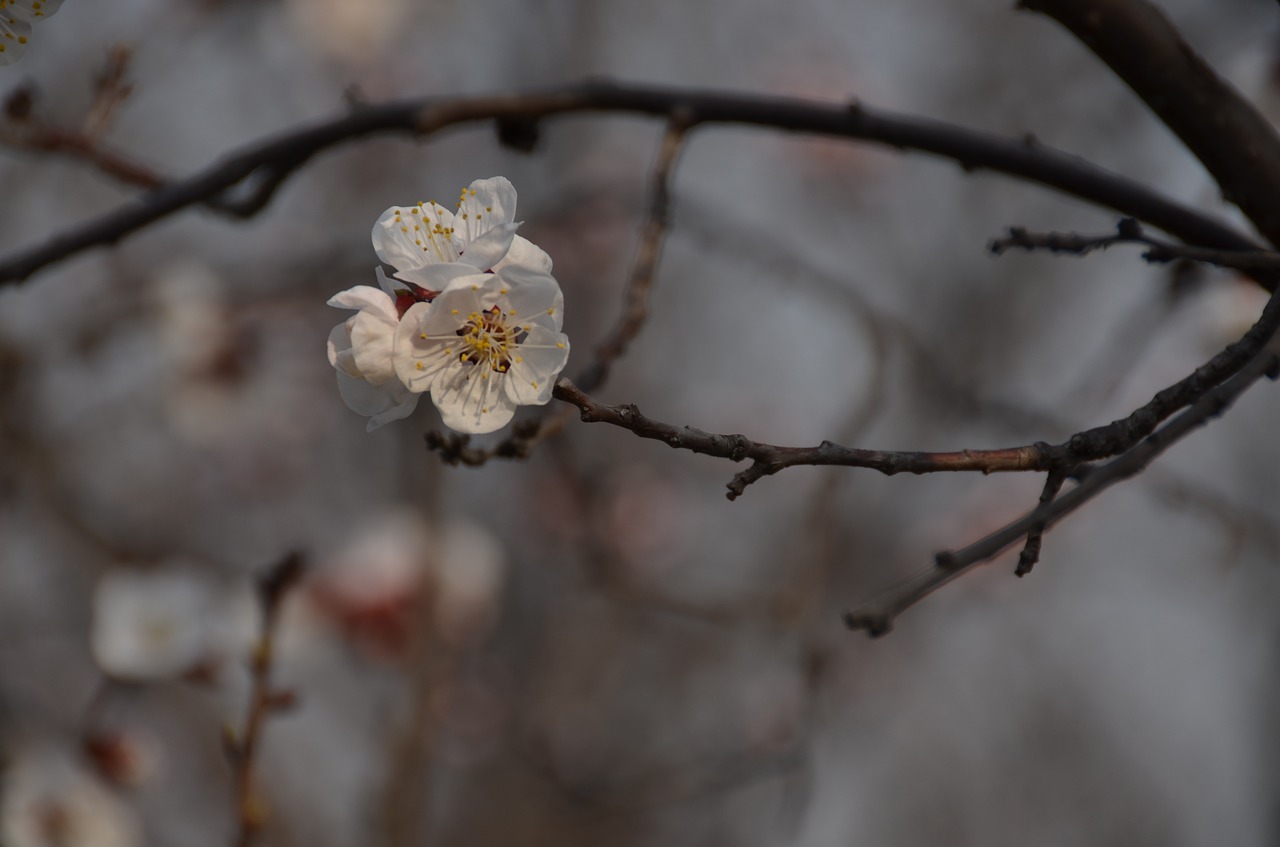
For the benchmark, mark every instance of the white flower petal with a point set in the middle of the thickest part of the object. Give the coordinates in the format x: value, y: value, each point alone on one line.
x: 31, y: 9
x: 524, y: 252
x: 487, y: 250
x: 470, y: 403
x: 411, y: 237
x: 531, y: 292
x: 485, y: 203
x: 365, y: 297
x: 381, y: 403
x: 14, y: 34
x: 436, y: 277
x: 371, y: 344
x: 340, y: 355
x: 539, y: 360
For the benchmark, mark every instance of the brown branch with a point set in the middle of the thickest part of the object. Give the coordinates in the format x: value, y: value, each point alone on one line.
x: 258, y: 170
x: 264, y: 698
x: 41, y: 137
x: 1237, y: 145
x: 1129, y: 231
x: 878, y: 618
x: 768, y: 459
x: 454, y: 448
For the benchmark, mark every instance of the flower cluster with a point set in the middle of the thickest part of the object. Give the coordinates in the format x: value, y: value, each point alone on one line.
x: 470, y: 315
x: 16, y: 17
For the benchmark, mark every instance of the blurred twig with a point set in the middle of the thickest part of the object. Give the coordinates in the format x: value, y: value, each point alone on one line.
x: 264, y: 698
x: 25, y: 129
x: 241, y: 183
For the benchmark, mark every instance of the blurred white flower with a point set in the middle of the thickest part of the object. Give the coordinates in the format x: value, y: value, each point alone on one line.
x: 16, y: 17
x: 152, y: 624
x: 398, y: 568
x: 360, y: 351
x: 487, y: 344
x: 48, y: 802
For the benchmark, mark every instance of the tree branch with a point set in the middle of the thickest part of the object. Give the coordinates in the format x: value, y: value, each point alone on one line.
x: 878, y: 618
x: 264, y: 166
x: 1129, y: 231
x: 1237, y: 145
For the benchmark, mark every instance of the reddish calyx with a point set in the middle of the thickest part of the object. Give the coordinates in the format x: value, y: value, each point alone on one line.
x: 410, y: 294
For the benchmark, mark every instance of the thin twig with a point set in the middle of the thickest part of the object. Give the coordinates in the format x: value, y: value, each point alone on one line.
x: 878, y: 618
x: 261, y: 168
x: 264, y: 698
x: 1129, y: 231
x: 1035, y: 536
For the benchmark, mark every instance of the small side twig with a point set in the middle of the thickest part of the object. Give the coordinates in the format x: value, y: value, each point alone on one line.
x: 1035, y: 536
x: 265, y: 698
x: 1129, y: 231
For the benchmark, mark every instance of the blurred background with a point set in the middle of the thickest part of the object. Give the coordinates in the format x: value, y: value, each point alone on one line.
x: 595, y: 646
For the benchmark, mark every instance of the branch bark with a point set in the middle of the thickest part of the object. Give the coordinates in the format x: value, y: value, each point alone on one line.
x: 1237, y: 145
x: 242, y: 183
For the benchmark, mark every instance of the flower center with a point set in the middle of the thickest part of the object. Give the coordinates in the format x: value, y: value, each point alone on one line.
x: 488, y: 339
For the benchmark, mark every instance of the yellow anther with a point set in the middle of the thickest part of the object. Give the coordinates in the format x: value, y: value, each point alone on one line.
x: 453, y: 311
x: 551, y: 311
x: 560, y: 345
x: 418, y: 365
x: 534, y: 383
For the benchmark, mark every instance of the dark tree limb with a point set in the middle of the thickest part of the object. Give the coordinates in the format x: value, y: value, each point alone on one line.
x: 878, y: 618
x: 1236, y: 144
x: 243, y: 182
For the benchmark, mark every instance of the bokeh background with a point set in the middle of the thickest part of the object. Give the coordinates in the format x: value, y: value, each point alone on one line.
x: 595, y: 646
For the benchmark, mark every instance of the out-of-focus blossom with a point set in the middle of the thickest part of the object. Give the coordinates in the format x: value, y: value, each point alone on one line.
x: 398, y: 569
x: 153, y: 624
x: 487, y: 344
x: 350, y: 32
x: 16, y: 17
x: 360, y: 351
x: 48, y: 802
x: 373, y: 589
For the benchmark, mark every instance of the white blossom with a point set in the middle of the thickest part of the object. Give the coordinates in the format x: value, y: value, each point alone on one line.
x: 480, y: 236
x: 488, y: 343
x: 428, y: 249
x: 16, y: 17
x: 152, y: 624
x: 360, y: 351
